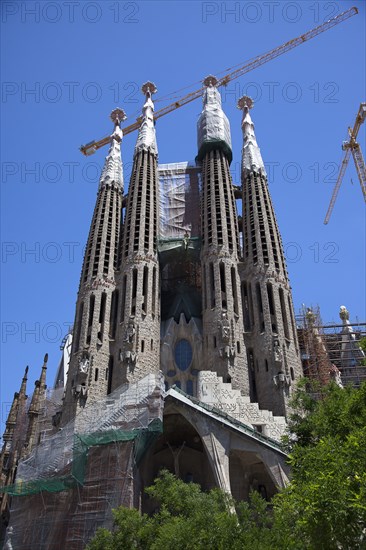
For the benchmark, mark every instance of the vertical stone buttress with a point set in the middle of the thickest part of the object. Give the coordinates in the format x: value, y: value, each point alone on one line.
x: 88, y: 375
x: 270, y: 331
x: 223, y: 341
x: 36, y: 409
x: 137, y: 345
x: 12, y: 449
x: 14, y: 417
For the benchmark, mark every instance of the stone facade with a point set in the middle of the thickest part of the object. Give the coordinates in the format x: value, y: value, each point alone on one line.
x: 222, y: 396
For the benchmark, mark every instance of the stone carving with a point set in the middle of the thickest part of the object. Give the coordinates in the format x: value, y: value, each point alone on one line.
x: 277, y: 351
x: 220, y: 395
x: 84, y: 364
x: 225, y: 328
x: 130, y: 332
x: 176, y: 452
x: 129, y: 354
x: 105, y: 282
x: 281, y: 380
x: 223, y: 393
x: 226, y: 407
x: 208, y: 376
x: 227, y: 350
x: 344, y: 313
x: 81, y: 391
x: 8, y: 544
x: 335, y: 374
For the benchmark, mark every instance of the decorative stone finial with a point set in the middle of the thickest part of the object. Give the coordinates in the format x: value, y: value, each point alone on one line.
x: 344, y: 313
x: 310, y: 316
x: 245, y: 102
x: 149, y: 88
x: 210, y: 80
x: 45, y: 358
x: 117, y: 116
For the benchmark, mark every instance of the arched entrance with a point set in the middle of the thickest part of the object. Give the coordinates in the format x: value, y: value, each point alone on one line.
x: 248, y: 473
x: 180, y: 450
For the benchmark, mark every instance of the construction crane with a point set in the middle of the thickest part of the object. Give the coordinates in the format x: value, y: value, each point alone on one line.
x: 93, y: 146
x: 349, y: 147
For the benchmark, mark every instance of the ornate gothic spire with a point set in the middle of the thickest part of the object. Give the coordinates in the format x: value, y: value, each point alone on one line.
x: 39, y: 390
x: 112, y: 171
x: 146, y: 140
x: 213, y: 127
x: 252, y: 158
x: 23, y: 386
x: 137, y: 348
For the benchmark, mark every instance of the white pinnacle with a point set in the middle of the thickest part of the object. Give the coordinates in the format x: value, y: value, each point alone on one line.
x: 112, y: 169
x: 251, y: 156
x: 146, y: 140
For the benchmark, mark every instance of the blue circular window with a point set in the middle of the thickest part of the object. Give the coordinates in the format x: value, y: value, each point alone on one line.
x: 183, y: 354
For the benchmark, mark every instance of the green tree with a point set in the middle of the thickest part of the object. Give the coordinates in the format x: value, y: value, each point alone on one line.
x: 324, y: 507
x: 189, y: 518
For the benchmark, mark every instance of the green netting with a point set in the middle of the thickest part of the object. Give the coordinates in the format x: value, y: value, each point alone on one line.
x: 143, y: 438
x: 213, y: 145
x: 53, y: 485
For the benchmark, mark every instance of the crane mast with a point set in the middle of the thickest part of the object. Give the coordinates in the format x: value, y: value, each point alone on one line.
x: 93, y: 146
x: 349, y: 147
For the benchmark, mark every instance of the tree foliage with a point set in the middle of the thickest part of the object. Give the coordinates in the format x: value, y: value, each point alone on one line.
x: 188, y: 518
x: 323, y: 508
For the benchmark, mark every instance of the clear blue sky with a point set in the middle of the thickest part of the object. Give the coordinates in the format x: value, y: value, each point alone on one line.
x: 82, y: 59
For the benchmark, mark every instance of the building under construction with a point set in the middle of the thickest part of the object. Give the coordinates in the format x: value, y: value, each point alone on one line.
x: 184, y: 352
x: 331, y: 351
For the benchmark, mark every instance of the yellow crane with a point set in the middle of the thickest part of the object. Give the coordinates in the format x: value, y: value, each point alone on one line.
x: 93, y: 146
x: 349, y: 147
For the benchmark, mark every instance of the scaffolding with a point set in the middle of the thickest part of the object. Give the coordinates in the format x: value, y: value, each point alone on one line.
x: 329, y: 349
x: 70, y: 482
x: 179, y: 241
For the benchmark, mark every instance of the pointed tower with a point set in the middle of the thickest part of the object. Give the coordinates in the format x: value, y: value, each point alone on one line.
x: 12, y: 448
x: 352, y: 356
x: 14, y: 417
x: 223, y: 342
x: 36, y: 409
x: 90, y: 355
x: 137, y: 346
x: 270, y: 332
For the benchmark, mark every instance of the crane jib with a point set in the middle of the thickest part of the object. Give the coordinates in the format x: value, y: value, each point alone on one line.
x: 91, y: 147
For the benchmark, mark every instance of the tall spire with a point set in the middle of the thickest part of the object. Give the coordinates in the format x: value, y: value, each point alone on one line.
x: 137, y: 348
x: 23, y: 386
x: 18, y: 400
x: 251, y: 158
x: 224, y: 350
x: 213, y: 127
x: 269, y: 323
x: 88, y: 369
x: 35, y: 407
x: 146, y: 140
x: 112, y: 170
